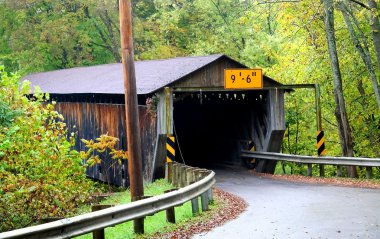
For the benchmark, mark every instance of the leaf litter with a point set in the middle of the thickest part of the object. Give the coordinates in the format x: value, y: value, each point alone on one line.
x: 231, y: 207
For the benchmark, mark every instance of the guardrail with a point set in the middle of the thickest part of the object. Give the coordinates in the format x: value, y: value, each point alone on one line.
x: 325, y: 160
x: 197, y: 182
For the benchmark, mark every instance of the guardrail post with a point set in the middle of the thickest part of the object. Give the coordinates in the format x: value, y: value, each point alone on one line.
x: 309, y: 169
x: 204, y: 201
x: 174, y: 174
x: 182, y: 176
x: 189, y: 175
x: 170, y: 212
x: 99, y: 234
x: 196, y: 173
x: 203, y: 174
x: 339, y: 171
x: 209, y: 191
x: 174, y: 165
x: 169, y: 171
x: 368, y: 172
x: 210, y: 196
x: 178, y: 174
x: 194, y: 202
x: 195, y: 206
x: 321, y: 170
x: 205, y: 195
x: 138, y: 226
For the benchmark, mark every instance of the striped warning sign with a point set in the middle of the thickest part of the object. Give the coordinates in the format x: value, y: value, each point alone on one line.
x: 251, y: 148
x: 321, y: 143
x: 170, y: 149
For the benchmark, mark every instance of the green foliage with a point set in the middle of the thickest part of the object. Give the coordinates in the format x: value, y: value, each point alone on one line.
x: 40, y: 175
x: 287, y: 39
x: 61, y: 34
x: 304, y: 59
x: 7, y: 114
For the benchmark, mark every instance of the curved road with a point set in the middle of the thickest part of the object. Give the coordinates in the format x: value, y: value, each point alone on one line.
x: 280, y: 209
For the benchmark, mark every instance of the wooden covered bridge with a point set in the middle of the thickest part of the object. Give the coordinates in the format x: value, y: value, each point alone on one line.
x: 211, y: 124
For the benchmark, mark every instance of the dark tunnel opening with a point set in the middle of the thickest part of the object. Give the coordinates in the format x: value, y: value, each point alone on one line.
x: 212, y: 127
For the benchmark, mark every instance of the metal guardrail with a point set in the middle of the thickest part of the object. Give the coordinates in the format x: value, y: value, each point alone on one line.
x: 90, y: 222
x: 327, y: 160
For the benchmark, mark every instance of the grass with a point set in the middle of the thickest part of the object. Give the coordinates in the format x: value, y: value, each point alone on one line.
x: 152, y: 224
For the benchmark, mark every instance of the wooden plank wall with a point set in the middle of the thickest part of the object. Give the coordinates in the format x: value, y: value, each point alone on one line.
x: 272, y: 121
x: 90, y: 120
x: 212, y: 75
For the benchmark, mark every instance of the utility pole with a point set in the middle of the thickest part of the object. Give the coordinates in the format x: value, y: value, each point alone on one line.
x: 132, y: 117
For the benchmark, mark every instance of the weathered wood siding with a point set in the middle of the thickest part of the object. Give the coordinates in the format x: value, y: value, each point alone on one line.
x: 212, y: 75
x: 269, y: 129
x: 90, y: 120
x: 259, y: 117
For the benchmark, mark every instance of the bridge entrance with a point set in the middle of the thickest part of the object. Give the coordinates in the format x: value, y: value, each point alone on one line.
x: 212, y: 123
x: 212, y: 127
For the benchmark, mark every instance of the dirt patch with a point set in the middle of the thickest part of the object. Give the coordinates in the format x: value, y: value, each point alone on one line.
x: 346, y: 182
x: 231, y: 207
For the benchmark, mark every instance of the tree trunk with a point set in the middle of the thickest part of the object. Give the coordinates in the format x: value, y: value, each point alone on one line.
x: 375, y: 29
x: 114, y: 46
x: 366, y: 57
x: 368, y: 121
x: 340, y: 108
x: 363, y: 50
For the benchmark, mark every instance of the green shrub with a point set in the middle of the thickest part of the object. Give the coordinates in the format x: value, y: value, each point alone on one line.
x: 40, y: 175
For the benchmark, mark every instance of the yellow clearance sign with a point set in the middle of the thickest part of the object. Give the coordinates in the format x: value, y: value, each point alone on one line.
x: 243, y: 79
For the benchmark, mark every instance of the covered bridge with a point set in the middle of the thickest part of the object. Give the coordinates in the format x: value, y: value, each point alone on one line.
x: 211, y: 124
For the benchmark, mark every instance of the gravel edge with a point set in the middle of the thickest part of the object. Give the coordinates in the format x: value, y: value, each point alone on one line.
x: 344, y: 182
x: 232, y: 206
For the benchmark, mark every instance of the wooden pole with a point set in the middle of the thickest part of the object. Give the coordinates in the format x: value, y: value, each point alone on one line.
x: 132, y: 117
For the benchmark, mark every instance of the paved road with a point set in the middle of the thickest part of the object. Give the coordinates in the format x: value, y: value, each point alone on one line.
x: 279, y: 209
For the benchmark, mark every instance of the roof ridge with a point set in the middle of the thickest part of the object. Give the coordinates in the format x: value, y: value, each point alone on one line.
x: 181, y: 57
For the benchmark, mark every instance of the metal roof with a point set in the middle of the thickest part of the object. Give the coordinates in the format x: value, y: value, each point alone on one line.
x: 151, y: 75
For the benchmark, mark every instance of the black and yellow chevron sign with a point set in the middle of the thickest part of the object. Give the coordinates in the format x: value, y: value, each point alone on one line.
x: 170, y: 149
x: 321, y: 143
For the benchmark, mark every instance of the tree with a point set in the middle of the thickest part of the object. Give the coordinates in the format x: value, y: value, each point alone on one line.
x: 362, y: 46
x: 364, y: 52
x: 40, y: 175
x: 375, y: 29
x: 340, y: 108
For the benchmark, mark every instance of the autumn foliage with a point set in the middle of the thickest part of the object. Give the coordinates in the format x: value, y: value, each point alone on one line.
x: 97, y: 151
x: 40, y: 174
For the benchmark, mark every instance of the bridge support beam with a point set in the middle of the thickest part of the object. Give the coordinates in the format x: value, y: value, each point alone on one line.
x: 272, y: 122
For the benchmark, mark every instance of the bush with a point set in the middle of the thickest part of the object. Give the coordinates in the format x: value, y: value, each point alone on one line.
x: 98, y: 150
x: 40, y: 173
